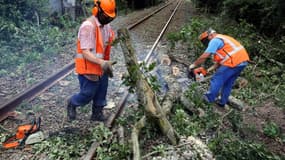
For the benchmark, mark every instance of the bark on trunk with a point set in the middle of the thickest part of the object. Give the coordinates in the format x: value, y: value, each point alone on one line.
x: 135, y: 137
x: 146, y: 96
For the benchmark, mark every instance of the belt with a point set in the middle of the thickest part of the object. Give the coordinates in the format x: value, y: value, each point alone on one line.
x: 92, y: 77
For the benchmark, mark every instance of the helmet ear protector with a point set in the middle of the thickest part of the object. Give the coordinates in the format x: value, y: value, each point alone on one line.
x: 95, y: 8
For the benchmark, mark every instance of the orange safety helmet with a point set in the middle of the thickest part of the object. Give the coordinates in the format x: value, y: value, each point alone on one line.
x: 205, y: 34
x: 108, y: 7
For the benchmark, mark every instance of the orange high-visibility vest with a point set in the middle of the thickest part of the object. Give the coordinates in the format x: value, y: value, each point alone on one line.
x: 84, y: 66
x: 232, y: 53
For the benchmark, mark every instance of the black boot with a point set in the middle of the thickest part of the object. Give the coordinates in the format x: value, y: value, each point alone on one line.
x: 71, y: 111
x: 97, y: 114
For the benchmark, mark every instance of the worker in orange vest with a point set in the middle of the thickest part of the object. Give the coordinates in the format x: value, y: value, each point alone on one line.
x: 230, y: 59
x: 92, y: 61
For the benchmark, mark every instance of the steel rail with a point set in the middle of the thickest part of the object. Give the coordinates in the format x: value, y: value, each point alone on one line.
x: 35, y: 90
x: 123, y: 100
x: 161, y: 33
x: 38, y: 88
x: 120, y: 106
x: 147, y: 16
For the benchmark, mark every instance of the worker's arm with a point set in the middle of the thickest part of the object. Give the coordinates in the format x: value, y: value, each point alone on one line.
x: 201, y: 59
x: 106, y: 65
x: 89, y: 56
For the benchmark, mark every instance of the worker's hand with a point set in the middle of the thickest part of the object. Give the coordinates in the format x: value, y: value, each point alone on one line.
x: 107, y: 67
x: 192, y: 66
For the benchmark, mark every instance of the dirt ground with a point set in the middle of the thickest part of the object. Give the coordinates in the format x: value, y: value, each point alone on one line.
x: 260, y: 115
x: 50, y: 105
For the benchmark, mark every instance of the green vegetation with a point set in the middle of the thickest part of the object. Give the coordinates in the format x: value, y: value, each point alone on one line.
x: 73, y: 144
x: 28, y: 39
x: 271, y: 130
x: 228, y: 146
x: 24, y: 39
x: 267, y: 16
x: 151, y: 79
x: 226, y: 140
x: 268, y: 79
x: 265, y: 76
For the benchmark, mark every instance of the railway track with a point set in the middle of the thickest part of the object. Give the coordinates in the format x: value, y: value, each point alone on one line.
x: 37, y: 92
x: 37, y: 89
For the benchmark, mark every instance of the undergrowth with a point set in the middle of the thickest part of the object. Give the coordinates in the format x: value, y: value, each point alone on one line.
x: 32, y: 47
x: 73, y: 145
x: 224, y: 132
x: 266, y: 81
x: 266, y: 78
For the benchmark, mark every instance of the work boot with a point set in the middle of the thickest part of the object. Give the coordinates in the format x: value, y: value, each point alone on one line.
x: 71, y: 111
x: 97, y: 114
x: 220, y: 104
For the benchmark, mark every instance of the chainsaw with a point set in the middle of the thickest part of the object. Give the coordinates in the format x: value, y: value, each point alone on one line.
x: 198, y: 74
x: 26, y: 134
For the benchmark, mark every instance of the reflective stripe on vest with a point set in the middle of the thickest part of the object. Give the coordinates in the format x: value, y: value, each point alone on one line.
x: 221, y: 56
x: 235, y: 50
x: 84, y: 66
x: 232, y: 53
x: 97, y: 55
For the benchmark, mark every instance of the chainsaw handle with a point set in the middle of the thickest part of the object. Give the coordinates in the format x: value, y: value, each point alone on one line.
x: 10, y: 142
x: 18, y: 140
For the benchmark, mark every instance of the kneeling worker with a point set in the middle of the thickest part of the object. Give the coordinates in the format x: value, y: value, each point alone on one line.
x: 230, y: 59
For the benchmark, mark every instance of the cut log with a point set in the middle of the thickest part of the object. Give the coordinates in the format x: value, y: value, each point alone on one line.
x: 172, y: 95
x: 236, y: 103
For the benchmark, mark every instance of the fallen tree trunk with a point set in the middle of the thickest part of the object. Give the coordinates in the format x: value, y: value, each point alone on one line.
x: 172, y: 95
x: 146, y: 96
x: 135, y: 137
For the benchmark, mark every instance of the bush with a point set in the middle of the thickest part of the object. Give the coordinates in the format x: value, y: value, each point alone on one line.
x: 268, y: 16
x: 271, y: 130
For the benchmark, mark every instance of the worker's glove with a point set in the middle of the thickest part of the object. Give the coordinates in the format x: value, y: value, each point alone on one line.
x: 107, y: 67
x: 191, y: 67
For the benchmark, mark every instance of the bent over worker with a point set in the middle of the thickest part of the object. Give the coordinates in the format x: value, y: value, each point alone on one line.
x: 230, y: 59
x: 92, y: 60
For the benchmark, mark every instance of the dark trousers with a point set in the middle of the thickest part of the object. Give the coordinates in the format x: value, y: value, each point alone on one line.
x: 223, y: 80
x: 91, y: 91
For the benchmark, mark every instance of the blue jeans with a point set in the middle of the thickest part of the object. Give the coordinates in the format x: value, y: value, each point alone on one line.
x: 223, y: 80
x: 91, y: 90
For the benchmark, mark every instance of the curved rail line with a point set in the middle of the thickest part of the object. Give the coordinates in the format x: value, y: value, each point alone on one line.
x: 37, y: 89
